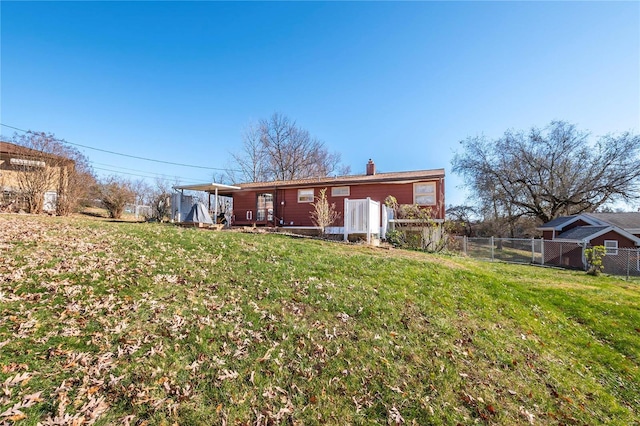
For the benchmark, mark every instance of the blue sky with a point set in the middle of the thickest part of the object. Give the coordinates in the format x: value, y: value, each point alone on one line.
x: 401, y: 83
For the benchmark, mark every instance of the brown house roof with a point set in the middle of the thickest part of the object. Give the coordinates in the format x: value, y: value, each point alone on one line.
x: 8, y: 149
x: 349, y: 180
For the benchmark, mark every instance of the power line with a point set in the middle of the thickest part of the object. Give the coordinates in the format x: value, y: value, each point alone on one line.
x: 143, y: 176
x: 126, y: 155
x: 150, y: 174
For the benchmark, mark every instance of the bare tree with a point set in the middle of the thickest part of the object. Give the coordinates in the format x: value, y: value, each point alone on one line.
x: 47, y: 164
x: 115, y: 193
x: 278, y: 149
x: 250, y: 164
x: 73, y: 193
x: 461, y: 218
x: 160, y: 200
x: 323, y: 214
x: 549, y: 173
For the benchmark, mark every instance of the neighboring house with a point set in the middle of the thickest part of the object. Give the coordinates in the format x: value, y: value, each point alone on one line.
x: 612, y: 230
x: 289, y: 203
x: 18, y: 163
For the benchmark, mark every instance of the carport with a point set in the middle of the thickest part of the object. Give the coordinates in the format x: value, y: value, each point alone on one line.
x: 210, y: 188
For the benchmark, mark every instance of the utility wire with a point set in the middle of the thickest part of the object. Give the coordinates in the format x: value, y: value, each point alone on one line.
x: 151, y: 174
x: 125, y: 155
x: 181, y: 179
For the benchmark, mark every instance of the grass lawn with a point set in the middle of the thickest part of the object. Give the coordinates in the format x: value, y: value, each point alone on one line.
x: 150, y: 324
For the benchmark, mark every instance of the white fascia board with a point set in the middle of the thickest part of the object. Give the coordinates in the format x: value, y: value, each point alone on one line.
x: 590, y: 220
x: 617, y: 230
x: 593, y: 220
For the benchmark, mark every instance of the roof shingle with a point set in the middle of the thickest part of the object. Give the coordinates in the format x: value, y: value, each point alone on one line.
x: 352, y: 179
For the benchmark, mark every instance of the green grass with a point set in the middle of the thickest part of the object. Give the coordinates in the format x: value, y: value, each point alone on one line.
x: 153, y: 324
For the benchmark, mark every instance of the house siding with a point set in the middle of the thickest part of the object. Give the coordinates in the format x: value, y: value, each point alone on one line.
x: 10, y: 174
x: 293, y: 213
x: 623, y: 242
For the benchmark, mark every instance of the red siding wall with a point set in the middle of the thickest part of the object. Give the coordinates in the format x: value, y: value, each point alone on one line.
x: 622, y: 241
x: 243, y: 202
x: 293, y: 213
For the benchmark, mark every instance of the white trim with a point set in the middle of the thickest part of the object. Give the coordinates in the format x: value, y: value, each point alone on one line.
x: 590, y: 220
x: 205, y: 187
x: 24, y: 162
x: 432, y: 193
x: 307, y: 190
x: 615, y: 229
x: 340, y: 187
x: 419, y: 221
x: 611, y: 250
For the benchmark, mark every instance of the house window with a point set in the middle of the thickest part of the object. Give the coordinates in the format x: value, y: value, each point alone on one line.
x: 340, y: 191
x: 611, y: 247
x: 305, y: 195
x: 424, y: 193
x: 27, y: 163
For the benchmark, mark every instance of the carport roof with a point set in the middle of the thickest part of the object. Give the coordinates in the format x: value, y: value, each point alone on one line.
x: 207, y: 187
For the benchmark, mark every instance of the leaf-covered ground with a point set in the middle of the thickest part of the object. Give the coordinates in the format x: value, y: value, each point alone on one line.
x: 125, y: 323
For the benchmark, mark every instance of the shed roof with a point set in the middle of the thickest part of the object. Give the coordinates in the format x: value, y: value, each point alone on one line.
x: 581, y: 233
x: 559, y: 222
x: 589, y: 232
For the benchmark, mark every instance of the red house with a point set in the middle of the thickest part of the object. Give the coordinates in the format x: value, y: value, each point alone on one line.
x: 566, y: 237
x: 288, y: 203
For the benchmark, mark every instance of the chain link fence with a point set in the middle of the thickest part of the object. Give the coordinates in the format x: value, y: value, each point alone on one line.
x: 622, y: 261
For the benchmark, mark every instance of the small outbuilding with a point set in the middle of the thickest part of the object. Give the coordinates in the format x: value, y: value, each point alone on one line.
x: 566, y: 237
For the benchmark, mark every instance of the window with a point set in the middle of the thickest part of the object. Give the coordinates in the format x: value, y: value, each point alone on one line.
x: 264, y: 208
x: 305, y: 195
x: 340, y: 191
x: 28, y: 163
x: 424, y: 193
x: 611, y: 247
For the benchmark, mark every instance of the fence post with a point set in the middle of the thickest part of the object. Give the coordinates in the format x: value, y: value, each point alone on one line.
x: 628, y: 262
x: 491, y: 248
x: 533, y: 250
x: 346, y: 219
x: 560, y: 257
x: 367, y: 217
x: 464, y: 244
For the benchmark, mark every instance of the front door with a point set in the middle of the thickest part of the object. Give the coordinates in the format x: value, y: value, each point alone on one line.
x: 264, y: 208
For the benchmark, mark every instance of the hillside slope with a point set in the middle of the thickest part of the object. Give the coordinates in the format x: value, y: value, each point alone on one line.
x: 152, y: 324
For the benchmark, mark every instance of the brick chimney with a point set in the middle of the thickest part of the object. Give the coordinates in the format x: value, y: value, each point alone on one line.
x: 371, y: 168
